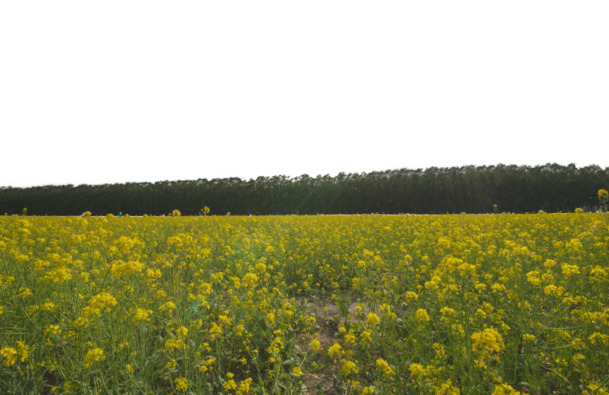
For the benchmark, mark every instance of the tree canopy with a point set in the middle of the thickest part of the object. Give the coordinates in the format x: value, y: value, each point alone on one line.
x: 471, y: 189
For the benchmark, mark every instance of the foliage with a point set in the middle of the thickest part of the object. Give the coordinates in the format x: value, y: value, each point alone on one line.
x: 603, y: 199
x: 470, y: 189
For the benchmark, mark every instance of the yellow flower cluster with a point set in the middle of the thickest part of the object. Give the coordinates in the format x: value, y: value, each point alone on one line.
x: 384, y: 367
x: 487, y: 341
x: 93, y: 355
x: 142, y: 315
x: 9, y: 356
x: 102, y: 301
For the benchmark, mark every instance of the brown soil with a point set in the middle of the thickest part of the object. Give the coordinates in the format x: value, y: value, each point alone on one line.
x: 328, y: 318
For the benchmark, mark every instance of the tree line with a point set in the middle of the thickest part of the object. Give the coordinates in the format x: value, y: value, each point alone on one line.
x: 471, y: 189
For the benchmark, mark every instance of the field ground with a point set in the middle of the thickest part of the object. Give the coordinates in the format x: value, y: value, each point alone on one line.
x: 338, y: 304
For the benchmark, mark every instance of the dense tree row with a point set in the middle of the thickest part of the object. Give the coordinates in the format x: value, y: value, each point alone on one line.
x: 469, y: 189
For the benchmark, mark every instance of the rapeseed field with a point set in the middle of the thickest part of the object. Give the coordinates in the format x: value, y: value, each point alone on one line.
x: 299, y: 304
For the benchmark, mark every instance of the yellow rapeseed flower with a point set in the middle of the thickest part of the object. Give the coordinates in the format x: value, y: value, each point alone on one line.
x: 94, y: 355
x: 230, y: 384
x: 142, y: 315
x: 422, y: 315
x: 315, y: 345
x: 335, y: 351
x: 487, y: 340
x: 384, y: 367
x: 9, y: 356
x: 181, y: 383
x: 348, y: 367
x: 23, y: 350
x: 245, y: 386
x: 417, y: 370
x: 569, y: 270
x: 505, y: 389
x: 372, y: 320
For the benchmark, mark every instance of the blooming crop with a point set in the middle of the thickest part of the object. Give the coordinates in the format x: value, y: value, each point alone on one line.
x: 355, y: 304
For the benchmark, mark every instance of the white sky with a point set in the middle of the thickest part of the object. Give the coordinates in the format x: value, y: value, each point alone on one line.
x: 117, y: 91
